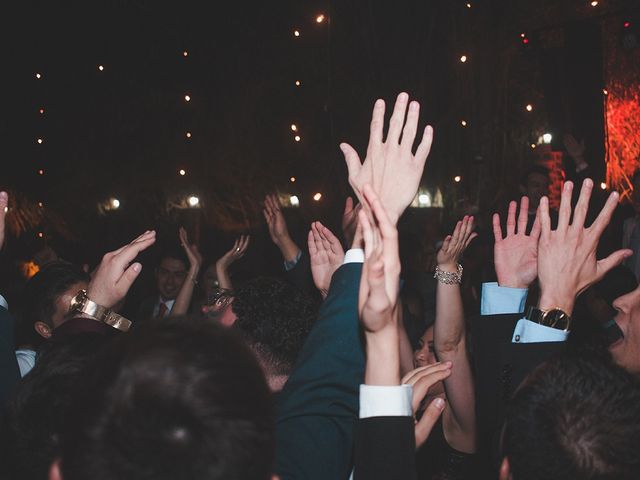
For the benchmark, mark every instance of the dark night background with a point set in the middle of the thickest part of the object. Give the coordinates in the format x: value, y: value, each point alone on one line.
x: 121, y: 132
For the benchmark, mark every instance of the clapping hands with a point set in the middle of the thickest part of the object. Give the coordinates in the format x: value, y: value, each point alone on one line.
x: 326, y: 254
x: 454, y: 245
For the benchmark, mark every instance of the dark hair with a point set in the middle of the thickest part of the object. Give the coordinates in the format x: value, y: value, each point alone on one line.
x: 275, y: 317
x: 42, y: 292
x: 636, y: 176
x: 535, y: 169
x: 171, y: 399
x: 175, y: 253
x: 34, y: 416
x: 575, y: 417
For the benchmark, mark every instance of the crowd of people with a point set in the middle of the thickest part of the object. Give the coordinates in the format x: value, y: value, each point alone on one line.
x: 353, y: 364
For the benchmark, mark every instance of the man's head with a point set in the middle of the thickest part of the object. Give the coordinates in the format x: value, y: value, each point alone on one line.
x: 535, y: 185
x: 626, y: 351
x: 48, y: 294
x: 574, y: 417
x: 172, y: 399
x: 275, y: 317
x: 171, y: 274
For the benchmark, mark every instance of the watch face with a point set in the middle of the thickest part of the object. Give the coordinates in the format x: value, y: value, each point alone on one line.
x: 556, y: 318
x: 77, y: 302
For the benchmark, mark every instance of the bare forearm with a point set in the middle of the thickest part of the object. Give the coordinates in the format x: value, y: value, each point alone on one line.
x: 224, y: 280
x: 288, y: 248
x: 383, y: 358
x: 406, y: 350
x: 183, y: 300
x: 449, y: 329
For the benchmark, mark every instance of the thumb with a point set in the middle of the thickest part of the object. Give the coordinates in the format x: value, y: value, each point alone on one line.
x: 613, y: 260
x: 351, y: 158
x: 428, y: 420
x: 348, y: 205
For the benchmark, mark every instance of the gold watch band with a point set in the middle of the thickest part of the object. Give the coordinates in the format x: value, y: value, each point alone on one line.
x: 102, y: 314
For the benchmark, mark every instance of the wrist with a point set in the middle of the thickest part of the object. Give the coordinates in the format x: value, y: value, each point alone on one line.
x: 509, y: 282
x: 550, y: 300
x: 448, y: 266
x: 383, y: 358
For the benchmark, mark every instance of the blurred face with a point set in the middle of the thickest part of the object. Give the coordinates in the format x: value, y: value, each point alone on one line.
x: 170, y: 276
x: 424, y: 356
x: 537, y: 186
x: 210, y: 280
x: 626, y: 351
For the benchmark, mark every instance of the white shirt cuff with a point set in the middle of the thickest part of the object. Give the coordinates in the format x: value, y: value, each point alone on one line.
x: 355, y: 255
x: 385, y: 401
x: 498, y: 300
x: 530, y: 332
x: 3, y: 303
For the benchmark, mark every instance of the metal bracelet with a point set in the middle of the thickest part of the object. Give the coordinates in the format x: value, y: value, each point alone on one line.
x: 448, y: 278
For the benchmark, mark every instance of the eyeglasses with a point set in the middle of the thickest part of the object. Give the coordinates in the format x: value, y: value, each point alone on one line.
x: 219, y: 299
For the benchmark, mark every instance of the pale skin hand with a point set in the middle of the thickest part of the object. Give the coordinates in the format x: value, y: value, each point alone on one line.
x: 326, y: 255
x: 516, y: 255
x: 114, y: 276
x: 574, y: 149
x: 350, y: 220
x: 278, y: 228
x: 567, y: 263
x: 422, y: 379
x: 183, y: 299
x: 390, y: 167
x: 236, y: 253
x: 4, y: 202
x: 450, y: 336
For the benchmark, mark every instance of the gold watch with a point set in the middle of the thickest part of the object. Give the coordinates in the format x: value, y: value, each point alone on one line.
x: 82, y: 304
x: 554, y: 318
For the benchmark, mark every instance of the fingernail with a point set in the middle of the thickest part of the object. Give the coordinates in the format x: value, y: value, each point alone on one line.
x: 342, y: 147
x: 439, y: 403
x: 413, y: 106
x: 137, y: 267
x: 403, y: 97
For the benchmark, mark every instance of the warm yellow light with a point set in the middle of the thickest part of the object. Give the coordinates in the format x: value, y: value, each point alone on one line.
x: 463, y: 123
x: 296, y: 33
x: 294, y: 127
x: 185, y: 54
x: 297, y: 138
x: 41, y: 111
x: 463, y: 58
x: 522, y: 35
x: 39, y: 141
x: 193, y: 201
x: 317, y: 197
x: 468, y: 5
x: 40, y: 234
x: 605, y: 91
x: 187, y: 98
x: 298, y: 83
x: 40, y: 204
x: 533, y: 145
x: 529, y: 107
x: 38, y: 76
x: 182, y: 172
x: 101, y: 68
x: 40, y: 172
x: 320, y: 18
x: 594, y: 3
x: 547, y: 137
x: 115, y: 203
x: 603, y: 186
x: 294, y: 201
x: 293, y: 179
x: 188, y: 134
x: 457, y: 178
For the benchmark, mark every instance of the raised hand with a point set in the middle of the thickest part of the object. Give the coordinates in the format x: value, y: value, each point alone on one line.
x: 574, y: 149
x: 422, y: 379
x: 454, y: 245
x: 390, y: 167
x: 350, y: 220
x: 192, y: 252
x: 278, y: 228
x: 4, y: 202
x: 326, y: 255
x: 516, y: 255
x: 567, y: 263
x: 114, y: 276
x: 236, y: 253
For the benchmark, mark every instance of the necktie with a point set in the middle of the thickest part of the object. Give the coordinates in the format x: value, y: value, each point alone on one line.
x: 162, y: 311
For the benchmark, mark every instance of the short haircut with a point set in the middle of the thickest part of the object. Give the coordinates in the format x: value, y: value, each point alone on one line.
x: 275, y: 317
x: 173, y: 399
x: 175, y: 253
x: 34, y: 416
x: 43, y: 290
x: 575, y: 417
x: 535, y: 169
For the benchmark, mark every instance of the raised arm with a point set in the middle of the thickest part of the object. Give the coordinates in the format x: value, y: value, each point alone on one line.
x: 278, y: 229
x: 326, y: 255
x: 183, y: 300
x: 222, y: 265
x: 450, y: 340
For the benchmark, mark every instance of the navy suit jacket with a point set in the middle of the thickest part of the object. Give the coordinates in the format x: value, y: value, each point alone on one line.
x: 318, y: 407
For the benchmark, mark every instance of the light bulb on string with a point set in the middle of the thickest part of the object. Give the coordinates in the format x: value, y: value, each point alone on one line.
x: 528, y: 107
x: 101, y: 68
x: 317, y: 197
x: 188, y: 134
x: 38, y: 76
x: 297, y: 138
x: 292, y: 179
x: 185, y: 54
x: 296, y: 33
x: 603, y: 186
x: 41, y: 111
x: 463, y: 58
x: 182, y: 172
x: 39, y: 141
x: 320, y: 18
x: 594, y: 3
x: 298, y: 83
x: 187, y: 98
x: 294, y: 127
x: 468, y: 4
x: 463, y: 123
x: 457, y: 178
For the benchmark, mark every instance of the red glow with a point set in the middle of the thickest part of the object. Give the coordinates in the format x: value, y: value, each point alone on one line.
x: 525, y: 40
x: 627, y: 24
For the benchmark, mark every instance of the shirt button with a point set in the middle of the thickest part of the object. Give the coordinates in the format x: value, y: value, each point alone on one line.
x: 517, y: 338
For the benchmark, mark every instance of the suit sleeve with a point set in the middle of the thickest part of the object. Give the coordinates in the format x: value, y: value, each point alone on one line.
x: 300, y: 274
x: 9, y: 371
x: 318, y: 407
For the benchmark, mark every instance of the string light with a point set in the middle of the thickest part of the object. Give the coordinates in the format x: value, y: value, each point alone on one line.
x: 317, y: 197
x: 193, y: 201
x: 294, y: 127
x: 188, y: 134
x: 529, y: 107
x: 320, y: 18
x: 296, y: 33
x: 603, y: 186
x: 38, y: 76
x: 293, y: 179
x: 40, y: 172
x: 115, y: 203
x: 101, y: 68
x: 297, y: 138
x: 627, y: 24
x: 41, y: 111
x: 463, y: 123
x: 294, y: 200
x: 605, y: 91
x: 39, y: 141
x: 457, y: 178
x: 468, y: 5
x: 547, y: 137
x: 594, y: 3
x: 40, y: 204
x: 463, y: 58
x: 533, y: 145
x: 40, y: 234
x: 187, y: 98
x: 298, y: 83
x: 423, y: 199
x: 182, y: 172
x: 185, y: 54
